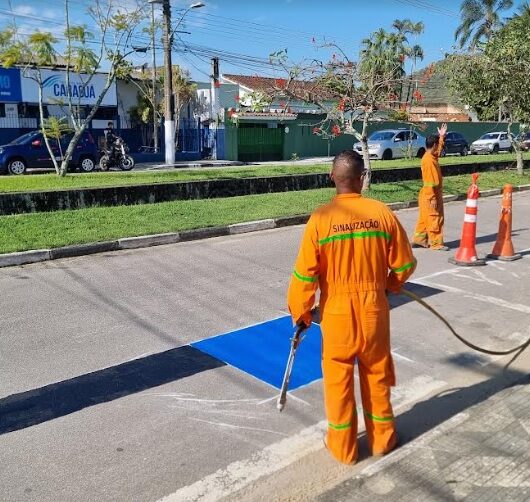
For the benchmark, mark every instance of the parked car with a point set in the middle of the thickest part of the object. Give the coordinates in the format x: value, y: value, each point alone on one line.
x: 393, y: 144
x: 29, y: 151
x: 455, y: 143
x: 491, y: 142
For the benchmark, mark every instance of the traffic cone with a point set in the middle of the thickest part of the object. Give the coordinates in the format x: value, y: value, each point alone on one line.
x: 503, y: 248
x: 466, y: 255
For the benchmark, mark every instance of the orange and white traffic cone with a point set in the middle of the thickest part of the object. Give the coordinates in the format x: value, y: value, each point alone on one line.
x: 503, y: 248
x: 466, y: 255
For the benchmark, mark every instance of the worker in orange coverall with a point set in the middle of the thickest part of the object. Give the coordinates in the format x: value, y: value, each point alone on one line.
x: 429, y: 229
x: 355, y: 250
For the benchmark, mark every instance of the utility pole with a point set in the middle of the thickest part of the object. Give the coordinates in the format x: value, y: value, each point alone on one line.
x: 155, y: 112
x: 215, y: 104
x: 169, y: 109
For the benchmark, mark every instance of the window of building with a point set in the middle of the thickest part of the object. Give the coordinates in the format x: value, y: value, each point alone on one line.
x: 106, y: 113
x: 32, y: 111
x: 2, y: 109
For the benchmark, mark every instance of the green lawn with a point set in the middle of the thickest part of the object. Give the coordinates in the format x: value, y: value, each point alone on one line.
x: 101, y: 179
x: 46, y: 230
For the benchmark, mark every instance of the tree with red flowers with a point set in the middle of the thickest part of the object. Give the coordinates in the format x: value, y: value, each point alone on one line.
x: 349, y: 91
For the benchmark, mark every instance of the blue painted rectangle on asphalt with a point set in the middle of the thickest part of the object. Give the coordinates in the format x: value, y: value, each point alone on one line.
x: 262, y: 351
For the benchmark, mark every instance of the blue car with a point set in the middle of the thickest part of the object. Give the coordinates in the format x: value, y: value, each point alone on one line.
x: 29, y: 151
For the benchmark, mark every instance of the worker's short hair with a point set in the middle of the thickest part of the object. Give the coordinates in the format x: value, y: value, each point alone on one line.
x: 110, y: 124
x: 432, y: 140
x: 352, y: 159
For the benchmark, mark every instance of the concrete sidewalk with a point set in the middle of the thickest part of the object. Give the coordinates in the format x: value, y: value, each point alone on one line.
x: 481, y: 454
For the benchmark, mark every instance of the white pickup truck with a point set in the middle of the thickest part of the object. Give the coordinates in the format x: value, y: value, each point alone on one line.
x: 492, y: 142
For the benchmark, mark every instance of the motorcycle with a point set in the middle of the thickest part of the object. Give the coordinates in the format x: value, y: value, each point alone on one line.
x: 117, y: 157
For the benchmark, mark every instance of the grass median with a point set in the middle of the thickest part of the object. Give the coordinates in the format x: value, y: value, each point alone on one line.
x: 37, y: 182
x: 48, y: 230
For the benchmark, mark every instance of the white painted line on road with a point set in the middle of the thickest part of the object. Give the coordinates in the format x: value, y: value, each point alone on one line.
x: 289, y: 394
x: 183, y: 397
x: 403, y: 358
x: 436, y: 274
x: 233, y: 426
x: 477, y: 296
x: 280, y: 455
x: 482, y: 277
x: 238, y: 474
x: 497, y: 265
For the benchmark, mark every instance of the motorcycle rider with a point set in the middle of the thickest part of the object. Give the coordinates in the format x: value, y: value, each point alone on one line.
x: 110, y: 138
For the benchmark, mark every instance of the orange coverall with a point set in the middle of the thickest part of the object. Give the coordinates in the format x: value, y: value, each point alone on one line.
x: 429, y: 229
x: 347, y: 249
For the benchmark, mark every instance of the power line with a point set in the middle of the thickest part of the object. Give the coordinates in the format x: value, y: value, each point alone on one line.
x: 268, y: 28
x: 423, y: 5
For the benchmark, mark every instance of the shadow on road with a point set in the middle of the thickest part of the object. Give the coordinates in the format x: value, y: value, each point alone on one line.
x: 36, y: 406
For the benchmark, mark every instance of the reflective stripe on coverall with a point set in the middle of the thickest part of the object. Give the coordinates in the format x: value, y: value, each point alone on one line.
x: 429, y: 229
x: 347, y: 250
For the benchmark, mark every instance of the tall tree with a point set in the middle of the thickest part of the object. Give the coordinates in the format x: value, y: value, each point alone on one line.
x: 414, y: 52
x: 349, y: 92
x: 497, y: 78
x: 480, y: 18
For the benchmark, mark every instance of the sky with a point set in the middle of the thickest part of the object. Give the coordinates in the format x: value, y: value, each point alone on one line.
x: 243, y: 33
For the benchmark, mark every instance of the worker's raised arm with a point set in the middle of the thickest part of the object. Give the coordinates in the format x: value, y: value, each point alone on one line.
x: 304, y: 278
x: 442, y: 131
x: 401, y: 261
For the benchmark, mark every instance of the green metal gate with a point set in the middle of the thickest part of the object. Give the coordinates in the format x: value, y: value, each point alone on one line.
x: 259, y: 144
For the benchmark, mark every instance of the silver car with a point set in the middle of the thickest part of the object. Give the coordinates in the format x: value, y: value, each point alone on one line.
x: 491, y: 142
x: 394, y: 144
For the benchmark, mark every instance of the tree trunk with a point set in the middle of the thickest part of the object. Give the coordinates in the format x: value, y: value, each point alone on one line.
x: 366, y: 154
x: 519, y: 158
x: 70, y: 149
x: 78, y: 132
x: 517, y: 149
x: 44, y: 135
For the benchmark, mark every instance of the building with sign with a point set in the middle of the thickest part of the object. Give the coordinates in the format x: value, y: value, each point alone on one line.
x: 19, y: 96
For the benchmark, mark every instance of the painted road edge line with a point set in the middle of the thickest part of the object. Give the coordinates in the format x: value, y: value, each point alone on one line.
x: 279, y: 455
x: 35, y: 256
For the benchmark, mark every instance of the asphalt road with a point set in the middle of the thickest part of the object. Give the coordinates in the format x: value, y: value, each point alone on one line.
x: 101, y: 398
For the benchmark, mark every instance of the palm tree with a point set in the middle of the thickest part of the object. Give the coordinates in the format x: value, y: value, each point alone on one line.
x: 480, y: 18
x: 416, y: 54
x: 524, y: 10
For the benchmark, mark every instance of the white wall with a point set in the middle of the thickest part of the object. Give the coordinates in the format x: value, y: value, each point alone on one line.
x: 127, y: 98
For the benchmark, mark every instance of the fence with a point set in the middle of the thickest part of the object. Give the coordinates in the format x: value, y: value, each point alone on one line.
x: 258, y: 143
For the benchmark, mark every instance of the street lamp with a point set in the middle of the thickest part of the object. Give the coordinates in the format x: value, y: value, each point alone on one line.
x: 169, y: 110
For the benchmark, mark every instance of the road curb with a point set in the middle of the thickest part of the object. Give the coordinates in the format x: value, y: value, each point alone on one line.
x: 24, y: 257
x: 490, y: 193
x: 83, y: 249
x: 251, y: 226
x: 144, y: 241
x: 38, y: 255
x: 396, y: 206
x: 203, y: 233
